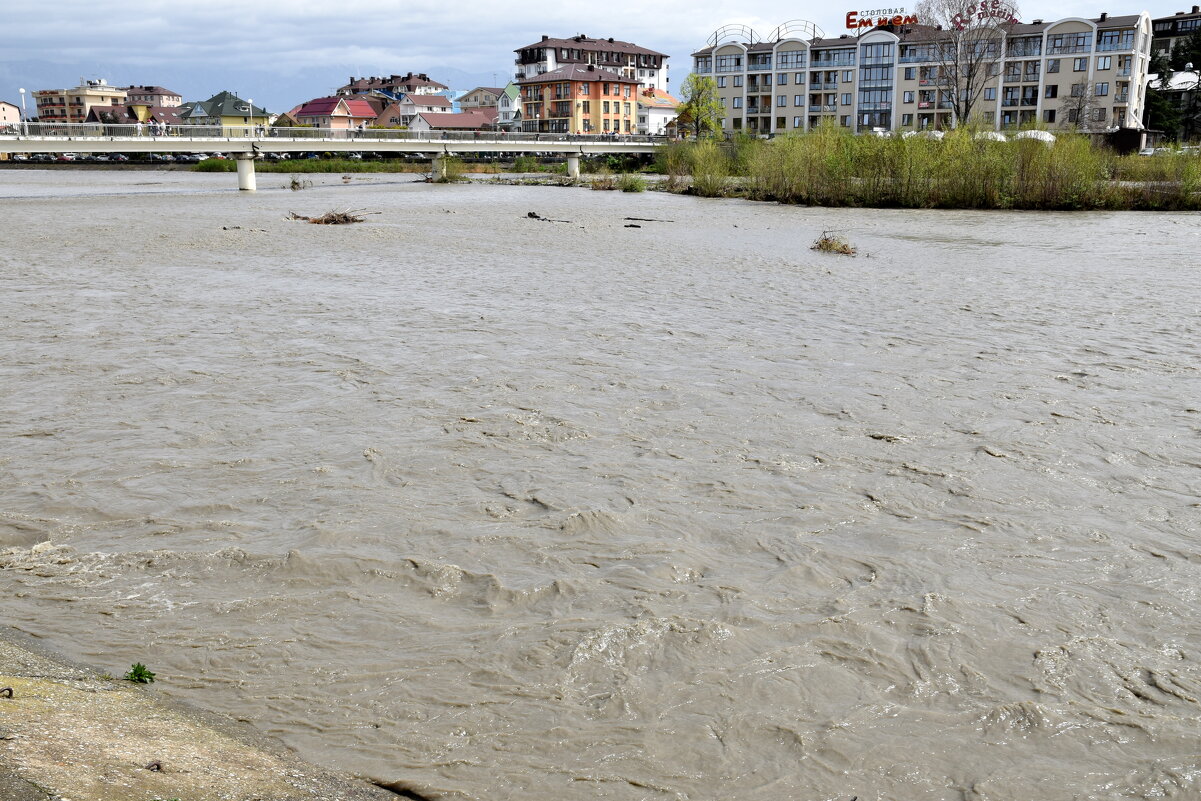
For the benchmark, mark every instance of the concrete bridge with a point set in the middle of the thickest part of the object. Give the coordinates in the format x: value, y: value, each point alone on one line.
x: 244, y: 143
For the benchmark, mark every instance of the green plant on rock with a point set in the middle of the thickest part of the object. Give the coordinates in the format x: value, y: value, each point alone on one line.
x: 140, y: 674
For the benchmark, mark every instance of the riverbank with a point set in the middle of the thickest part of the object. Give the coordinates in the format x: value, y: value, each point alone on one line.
x: 68, y: 731
x: 962, y: 170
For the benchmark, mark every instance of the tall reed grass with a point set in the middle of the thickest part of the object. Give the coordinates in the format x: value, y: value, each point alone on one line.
x: 832, y: 167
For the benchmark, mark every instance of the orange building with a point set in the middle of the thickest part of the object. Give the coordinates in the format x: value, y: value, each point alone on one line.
x: 579, y: 99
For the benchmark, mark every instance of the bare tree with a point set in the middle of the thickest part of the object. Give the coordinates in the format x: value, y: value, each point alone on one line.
x: 1080, y: 109
x: 964, y: 40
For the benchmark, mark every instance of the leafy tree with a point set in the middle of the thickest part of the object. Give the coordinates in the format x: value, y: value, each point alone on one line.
x: 1187, y: 51
x: 964, y: 38
x: 701, y: 109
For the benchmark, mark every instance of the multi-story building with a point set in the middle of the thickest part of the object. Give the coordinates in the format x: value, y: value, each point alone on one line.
x: 647, y: 67
x: 579, y: 99
x: 506, y: 101
x: 153, y: 96
x: 1068, y: 73
x: 73, y: 105
x: 394, y: 86
x: 1170, y: 30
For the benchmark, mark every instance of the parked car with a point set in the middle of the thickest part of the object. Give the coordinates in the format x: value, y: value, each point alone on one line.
x: 65, y: 157
x: 118, y: 157
x: 20, y: 157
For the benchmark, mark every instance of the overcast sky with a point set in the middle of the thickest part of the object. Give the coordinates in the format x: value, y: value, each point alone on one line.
x: 282, y: 52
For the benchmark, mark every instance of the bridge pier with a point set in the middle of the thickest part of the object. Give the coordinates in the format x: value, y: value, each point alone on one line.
x: 438, y: 168
x: 246, y: 180
x: 573, y: 167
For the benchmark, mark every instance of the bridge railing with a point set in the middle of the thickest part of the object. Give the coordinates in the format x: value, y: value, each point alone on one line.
x: 117, y: 131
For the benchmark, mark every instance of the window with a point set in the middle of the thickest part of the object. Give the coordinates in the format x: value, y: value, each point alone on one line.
x: 798, y: 100
x: 782, y: 79
x: 738, y: 80
x: 738, y: 102
x: 1049, y: 115
x: 782, y: 101
x: 605, y: 107
x: 907, y: 98
x: 1080, y: 65
x: 990, y: 93
x: 1104, y: 62
x: 1077, y: 90
x: 627, y: 90
x: 1098, y: 115
x: 906, y: 120
x: 796, y: 122
x: 1052, y: 91
x: 737, y: 123
x: 781, y: 123
x: 767, y: 79
x: 846, y: 99
x: 587, y: 107
x: 1102, y: 89
x: 990, y: 117
x: 845, y: 122
x: 848, y: 76
x: 910, y: 73
x: 721, y: 82
x: 799, y: 79
x: 1053, y: 65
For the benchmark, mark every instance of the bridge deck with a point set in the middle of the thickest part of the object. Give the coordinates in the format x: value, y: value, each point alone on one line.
x: 101, y: 138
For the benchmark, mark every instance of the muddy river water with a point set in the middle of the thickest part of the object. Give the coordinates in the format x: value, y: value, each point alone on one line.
x: 490, y: 507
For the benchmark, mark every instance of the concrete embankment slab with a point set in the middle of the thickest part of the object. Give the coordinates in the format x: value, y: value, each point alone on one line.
x: 68, y: 732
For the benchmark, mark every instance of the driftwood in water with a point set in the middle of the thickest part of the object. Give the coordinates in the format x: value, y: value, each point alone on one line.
x: 334, y: 217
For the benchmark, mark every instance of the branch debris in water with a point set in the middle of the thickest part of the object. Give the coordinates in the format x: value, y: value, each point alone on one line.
x: 830, y: 242
x: 334, y: 217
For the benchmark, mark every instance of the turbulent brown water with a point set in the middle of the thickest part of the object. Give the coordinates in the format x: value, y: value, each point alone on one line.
x: 491, y: 507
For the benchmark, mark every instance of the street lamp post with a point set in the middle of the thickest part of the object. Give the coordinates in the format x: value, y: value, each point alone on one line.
x: 24, y: 122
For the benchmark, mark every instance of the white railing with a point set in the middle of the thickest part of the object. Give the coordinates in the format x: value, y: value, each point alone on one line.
x: 96, y: 130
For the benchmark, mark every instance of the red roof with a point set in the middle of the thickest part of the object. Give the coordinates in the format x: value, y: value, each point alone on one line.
x: 328, y: 106
x: 468, y: 120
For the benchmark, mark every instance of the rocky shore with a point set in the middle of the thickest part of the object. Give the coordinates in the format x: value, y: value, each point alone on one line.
x: 69, y: 733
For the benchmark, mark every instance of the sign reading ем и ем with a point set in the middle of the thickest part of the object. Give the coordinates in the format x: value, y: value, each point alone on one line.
x: 881, y: 16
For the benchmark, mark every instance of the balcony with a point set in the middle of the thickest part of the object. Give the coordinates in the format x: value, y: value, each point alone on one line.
x: 1054, y: 50
x: 817, y: 87
x: 1009, y: 102
x: 925, y: 104
x: 1121, y: 99
x: 1124, y: 73
x: 1108, y: 47
x: 1013, y: 78
x: 827, y: 108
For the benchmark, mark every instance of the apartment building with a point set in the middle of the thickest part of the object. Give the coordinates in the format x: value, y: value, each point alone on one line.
x: 153, y: 96
x: 393, y: 86
x: 579, y: 99
x: 73, y: 105
x: 1072, y: 72
x: 627, y: 60
x: 1168, y: 31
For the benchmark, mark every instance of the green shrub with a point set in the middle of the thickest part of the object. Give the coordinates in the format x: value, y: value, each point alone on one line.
x: 628, y: 182
x: 138, y: 673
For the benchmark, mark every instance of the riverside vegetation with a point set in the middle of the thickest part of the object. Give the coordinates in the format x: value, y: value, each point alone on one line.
x: 832, y: 167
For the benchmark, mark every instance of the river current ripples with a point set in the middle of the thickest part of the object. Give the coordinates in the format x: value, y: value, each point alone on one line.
x: 482, y: 506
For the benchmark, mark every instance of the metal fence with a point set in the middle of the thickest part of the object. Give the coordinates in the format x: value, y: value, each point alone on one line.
x: 116, y: 132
